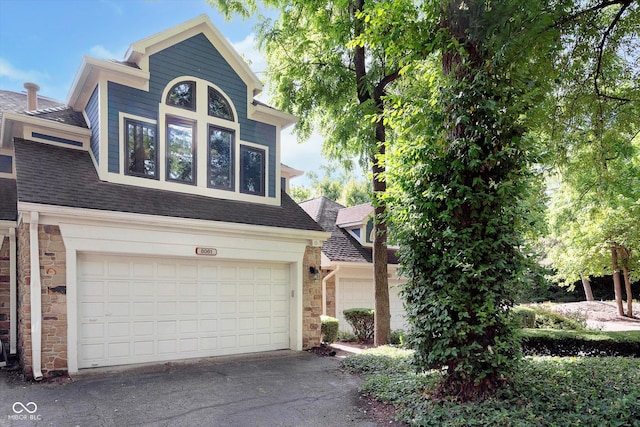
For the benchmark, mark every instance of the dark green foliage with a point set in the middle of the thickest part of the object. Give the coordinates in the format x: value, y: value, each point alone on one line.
x: 566, y: 392
x: 362, y: 321
x: 524, y: 317
x: 329, y: 328
x: 398, y: 338
x: 465, y: 192
x: 546, y: 342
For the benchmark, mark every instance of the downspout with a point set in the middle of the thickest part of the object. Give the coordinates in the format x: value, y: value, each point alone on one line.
x: 36, y: 298
x: 324, y: 289
x: 13, y: 294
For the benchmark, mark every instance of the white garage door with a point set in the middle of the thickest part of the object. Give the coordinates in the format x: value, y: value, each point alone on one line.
x: 144, y: 309
x: 358, y: 293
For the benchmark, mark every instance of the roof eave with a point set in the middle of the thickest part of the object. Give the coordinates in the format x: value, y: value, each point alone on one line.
x: 92, y: 70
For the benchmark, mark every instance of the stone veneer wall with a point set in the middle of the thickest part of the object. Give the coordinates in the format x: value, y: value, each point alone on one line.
x: 53, y: 278
x: 311, y: 300
x: 331, y: 295
x: 5, y: 278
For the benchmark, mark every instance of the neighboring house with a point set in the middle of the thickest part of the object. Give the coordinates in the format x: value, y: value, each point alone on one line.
x: 146, y: 219
x: 347, y: 265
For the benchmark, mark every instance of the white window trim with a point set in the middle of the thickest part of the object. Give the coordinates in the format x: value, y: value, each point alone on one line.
x: 203, y: 120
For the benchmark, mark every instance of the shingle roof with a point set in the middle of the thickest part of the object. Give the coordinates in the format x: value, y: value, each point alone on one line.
x: 341, y: 246
x: 60, y: 176
x: 50, y: 109
x: 8, y: 206
x: 354, y: 214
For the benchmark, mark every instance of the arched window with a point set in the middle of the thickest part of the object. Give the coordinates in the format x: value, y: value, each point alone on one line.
x: 183, y: 95
x: 218, y: 105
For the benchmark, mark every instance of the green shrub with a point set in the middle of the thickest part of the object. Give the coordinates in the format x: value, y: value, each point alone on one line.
x: 549, y: 319
x: 329, y: 329
x: 362, y: 322
x: 398, y: 338
x: 524, y: 317
x: 550, y: 342
x: 347, y: 336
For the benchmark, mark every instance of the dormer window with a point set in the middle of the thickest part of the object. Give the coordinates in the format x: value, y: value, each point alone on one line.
x: 181, y: 165
x: 195, y: 140
x: 252, y: 170
x: 221, y: 159
x: 183, y: 95
x: 142, y: 155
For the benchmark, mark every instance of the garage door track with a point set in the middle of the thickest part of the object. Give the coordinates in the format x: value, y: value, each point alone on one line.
x: 274, y: 389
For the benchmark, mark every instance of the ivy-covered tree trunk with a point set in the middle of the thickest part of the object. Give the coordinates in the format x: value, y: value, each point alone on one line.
x: 464, y: 177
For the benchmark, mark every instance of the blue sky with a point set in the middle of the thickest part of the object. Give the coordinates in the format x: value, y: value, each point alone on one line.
x: 43, y: 41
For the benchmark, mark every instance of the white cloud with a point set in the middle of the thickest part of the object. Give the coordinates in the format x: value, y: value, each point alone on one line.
x: 9, y: 72
x: 102, y: 52
x: 248, y: 49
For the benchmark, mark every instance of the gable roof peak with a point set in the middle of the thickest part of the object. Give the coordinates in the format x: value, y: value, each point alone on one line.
x: 139, y: 51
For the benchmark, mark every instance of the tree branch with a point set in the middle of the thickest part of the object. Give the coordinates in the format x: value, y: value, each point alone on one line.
x: 600, y: 50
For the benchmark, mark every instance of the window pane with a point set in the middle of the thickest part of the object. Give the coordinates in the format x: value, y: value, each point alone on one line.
x: 251, y: 170
x: 218, y: 105
x: 220, y: 158
x: 141, y: 149
x: 180, y: 155
x: 183, y: 95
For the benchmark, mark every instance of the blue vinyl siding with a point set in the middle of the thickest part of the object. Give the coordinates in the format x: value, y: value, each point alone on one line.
x: 193, y: 57
x: 93, y: 110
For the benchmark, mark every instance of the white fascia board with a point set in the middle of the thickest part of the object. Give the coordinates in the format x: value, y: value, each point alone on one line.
x: 89, y: 216
x: 90, y: 72
x: 6, y: 225
x: 142, y: 49
x: 270, y: 115
x: 288, y: 171
x: 49, y: 124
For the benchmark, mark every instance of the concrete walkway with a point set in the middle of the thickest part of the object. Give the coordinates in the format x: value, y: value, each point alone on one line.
x: 273, y: 389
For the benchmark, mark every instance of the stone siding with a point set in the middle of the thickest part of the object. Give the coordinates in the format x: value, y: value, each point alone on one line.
x: 5, y: 280
x: 53, y: 279
x: 312, y: 300
x: 331, y: 294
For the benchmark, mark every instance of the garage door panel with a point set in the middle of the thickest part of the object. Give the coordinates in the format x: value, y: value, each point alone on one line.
x: 143, y: 270
x: 118, y: 350
x: 119, y: 308
x: 188, y: 307
x: 118, y: 269
x: 360, y: 293
x: 143, y: 309
x: 92, y: 330
x: 143, y: 348
x: 91, y: 288
x: 118, y: 329
x: 91, y: 309
x: 143, y: 329
x: 208, y: 307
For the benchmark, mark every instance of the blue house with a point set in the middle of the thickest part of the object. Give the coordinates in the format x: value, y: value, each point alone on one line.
x: 146, y: 219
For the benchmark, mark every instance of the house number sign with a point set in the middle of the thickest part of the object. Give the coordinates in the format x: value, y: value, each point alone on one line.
x: 207, y: 251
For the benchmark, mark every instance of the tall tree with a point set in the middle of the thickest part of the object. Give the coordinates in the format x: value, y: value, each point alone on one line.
x: 592, y: 125
x: 462, y: 174
x: 323, y: 69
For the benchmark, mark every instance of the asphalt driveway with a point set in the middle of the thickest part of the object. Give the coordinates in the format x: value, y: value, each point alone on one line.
x: 279, y: 389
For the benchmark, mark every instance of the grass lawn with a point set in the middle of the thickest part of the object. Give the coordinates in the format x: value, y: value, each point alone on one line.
x: 545, y: 391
